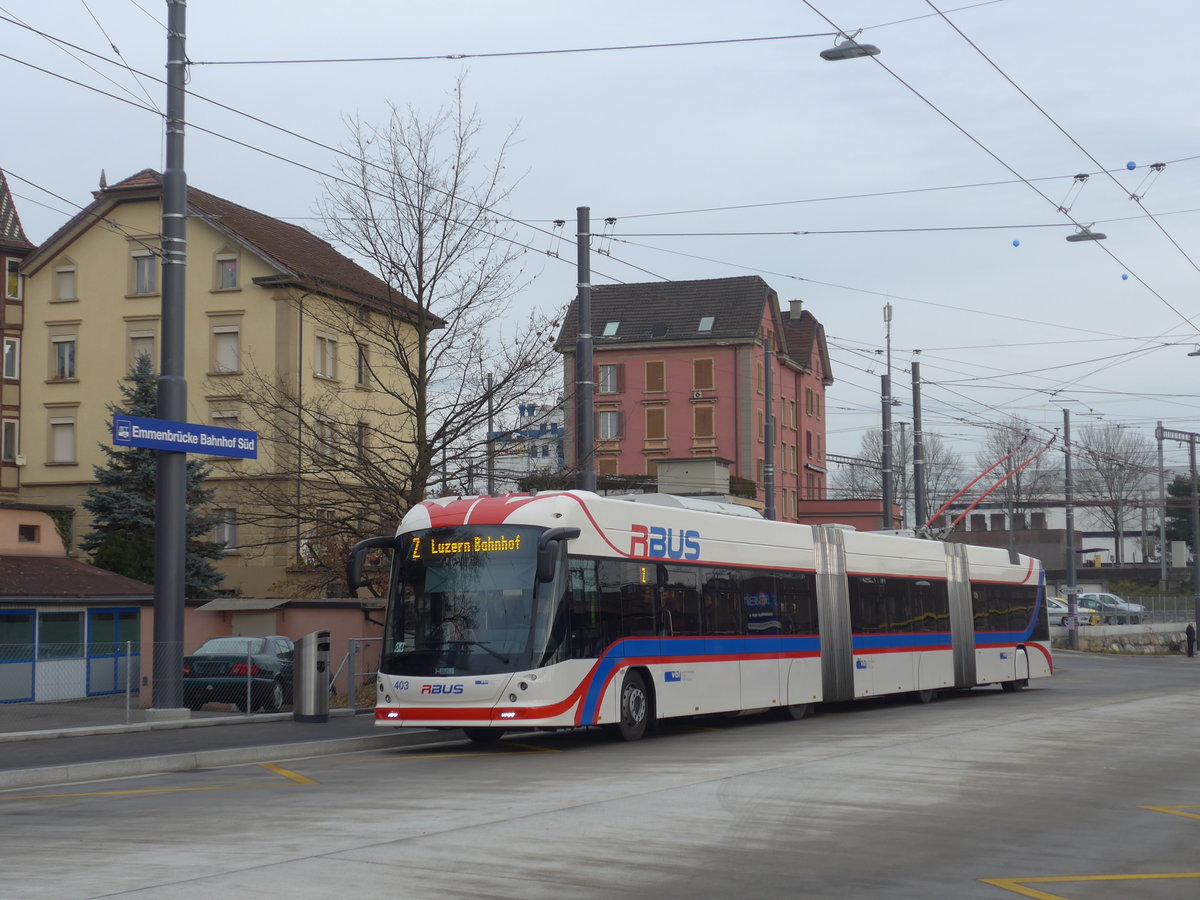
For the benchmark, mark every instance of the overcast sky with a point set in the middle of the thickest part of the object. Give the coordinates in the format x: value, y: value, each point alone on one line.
x: 913, y: 174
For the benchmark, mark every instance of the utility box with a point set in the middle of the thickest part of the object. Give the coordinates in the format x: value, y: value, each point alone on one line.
x: 311, y: 688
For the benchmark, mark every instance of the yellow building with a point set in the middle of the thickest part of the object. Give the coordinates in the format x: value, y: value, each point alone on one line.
x: 282, y: 337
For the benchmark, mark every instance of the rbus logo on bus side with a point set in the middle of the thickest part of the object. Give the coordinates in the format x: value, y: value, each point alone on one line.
x: 654, y: 542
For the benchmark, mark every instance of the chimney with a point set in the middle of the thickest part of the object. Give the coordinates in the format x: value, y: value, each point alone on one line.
x: 797, y: 307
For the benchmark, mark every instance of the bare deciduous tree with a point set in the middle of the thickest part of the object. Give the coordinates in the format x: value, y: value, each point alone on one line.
x: 943, y: 471
x: 415, y: 201
x: 1115, y: 465
x: 1015, y: 441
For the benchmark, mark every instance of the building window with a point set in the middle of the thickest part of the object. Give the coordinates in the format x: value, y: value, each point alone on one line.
x: 792, y: 458
x: 62, y: 439
x: 656, y: 423
x: 706, y: 323
x: 225, y: 529
x: 702, y: 374
x: 997, y: 522
x: 145, y: 272
x: 325, y: 432
x: 610, y: 378
x: 141, y: 343
x: 65, y: 287
x: 227, y: 272
x: 227, y: 348
x: 362, y: 436
x: 12, y: 278
x: 702, y: 421
x: 12, y: 357
x: 1037, y: 521
x: 325, y: 357
x: 63, y: 358
x: 656, y: 376
x: 760, y: 428
x: 608, y: 425
x: 60, y: 635
x: 28, y: 534
x: 226, y: 417
x: 606, y: 465
x: 10, y: 446
x: 758, y: 377
x: 362, y: 365
x: 808, y: 444
x: 610, y: 329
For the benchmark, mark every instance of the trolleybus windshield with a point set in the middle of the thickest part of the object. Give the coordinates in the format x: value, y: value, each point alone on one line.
x: 463, y: 602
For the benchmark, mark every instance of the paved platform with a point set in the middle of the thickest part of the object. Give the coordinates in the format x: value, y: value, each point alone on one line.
x: 71, y: 742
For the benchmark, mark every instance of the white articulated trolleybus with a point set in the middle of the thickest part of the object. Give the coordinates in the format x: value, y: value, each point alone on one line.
x: 568, y: 609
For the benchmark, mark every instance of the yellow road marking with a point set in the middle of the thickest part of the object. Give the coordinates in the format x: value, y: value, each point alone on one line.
x: 1175, y: 811
x: 1018, y: 885
x: 219, y: 787
x: 535, y: 747
x: 288, y: 774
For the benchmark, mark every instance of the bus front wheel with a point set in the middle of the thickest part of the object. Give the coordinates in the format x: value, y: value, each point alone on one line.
x: 635, y: 707
x: 484, y: 735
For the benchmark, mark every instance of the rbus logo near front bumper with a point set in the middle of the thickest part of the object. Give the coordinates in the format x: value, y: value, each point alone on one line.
x: 654, y: 542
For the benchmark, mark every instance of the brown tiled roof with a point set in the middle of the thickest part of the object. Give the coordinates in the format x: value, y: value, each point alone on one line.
x: 302, y: 257
x: 804, y: 336
x: 60, y: 578
x: 12, y: 235
x: 670, y: 311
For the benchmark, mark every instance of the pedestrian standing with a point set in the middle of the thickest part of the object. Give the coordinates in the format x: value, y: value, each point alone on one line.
x: 1190, y: 634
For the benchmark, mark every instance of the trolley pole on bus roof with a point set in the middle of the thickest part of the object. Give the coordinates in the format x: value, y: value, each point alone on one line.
x: 585, y: 387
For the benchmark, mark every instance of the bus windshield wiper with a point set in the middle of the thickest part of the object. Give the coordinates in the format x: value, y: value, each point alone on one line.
x: 484, y: 645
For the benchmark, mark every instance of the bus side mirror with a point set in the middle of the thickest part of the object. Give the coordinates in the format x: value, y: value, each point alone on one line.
x: 354, y: 563
x: 547, y: 553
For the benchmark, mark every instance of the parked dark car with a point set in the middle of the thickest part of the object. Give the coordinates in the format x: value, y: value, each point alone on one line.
x: 1112, y: 609
x: 219, y: 670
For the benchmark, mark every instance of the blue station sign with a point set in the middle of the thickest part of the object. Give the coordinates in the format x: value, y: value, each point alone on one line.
x: 183, y: 437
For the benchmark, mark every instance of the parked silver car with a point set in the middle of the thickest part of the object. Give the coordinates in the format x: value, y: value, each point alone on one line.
x: 1112, y: 609
x: 1058, y: 609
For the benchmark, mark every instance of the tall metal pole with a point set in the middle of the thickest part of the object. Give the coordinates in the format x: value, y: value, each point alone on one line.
x: 768, y: 431
x: 886, y: 461
x: 491, y: 441
x: 886, y: 456
x: 1162, y: 514
x: 902, y: 481
x: 170, y: 526
x: 1195, y: 532
x: 585, y: 387
x: 920, y: 509
x: 1069, y: 550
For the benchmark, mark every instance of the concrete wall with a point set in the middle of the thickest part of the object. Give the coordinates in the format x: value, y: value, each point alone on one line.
x: 1140, y: 639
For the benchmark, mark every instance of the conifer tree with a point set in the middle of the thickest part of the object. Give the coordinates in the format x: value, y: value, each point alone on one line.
x: 123, y: 508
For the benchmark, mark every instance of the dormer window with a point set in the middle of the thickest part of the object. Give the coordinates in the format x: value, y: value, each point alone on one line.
x: 610, y: 329
x: 12, y: 278
x: 706, y: 323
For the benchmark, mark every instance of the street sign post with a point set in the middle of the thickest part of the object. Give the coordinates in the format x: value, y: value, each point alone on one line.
x: 183, y: 437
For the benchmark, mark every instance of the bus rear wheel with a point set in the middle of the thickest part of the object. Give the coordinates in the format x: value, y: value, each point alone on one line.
x: 794, y: 712
x: 484, y: 736
x: 635, y: 707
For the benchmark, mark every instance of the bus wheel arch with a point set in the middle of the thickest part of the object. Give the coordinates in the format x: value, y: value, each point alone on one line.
x: 635, y: 705
x: 1020, y: 672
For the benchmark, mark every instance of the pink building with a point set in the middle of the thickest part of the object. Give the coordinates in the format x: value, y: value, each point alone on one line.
x: 680, y: 372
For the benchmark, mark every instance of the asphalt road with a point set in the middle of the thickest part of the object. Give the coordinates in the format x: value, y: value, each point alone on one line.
x: 1089, y: 781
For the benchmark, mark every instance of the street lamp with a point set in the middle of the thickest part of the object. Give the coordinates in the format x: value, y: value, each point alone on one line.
x: 849, y: 48
x: 1085, y: 233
